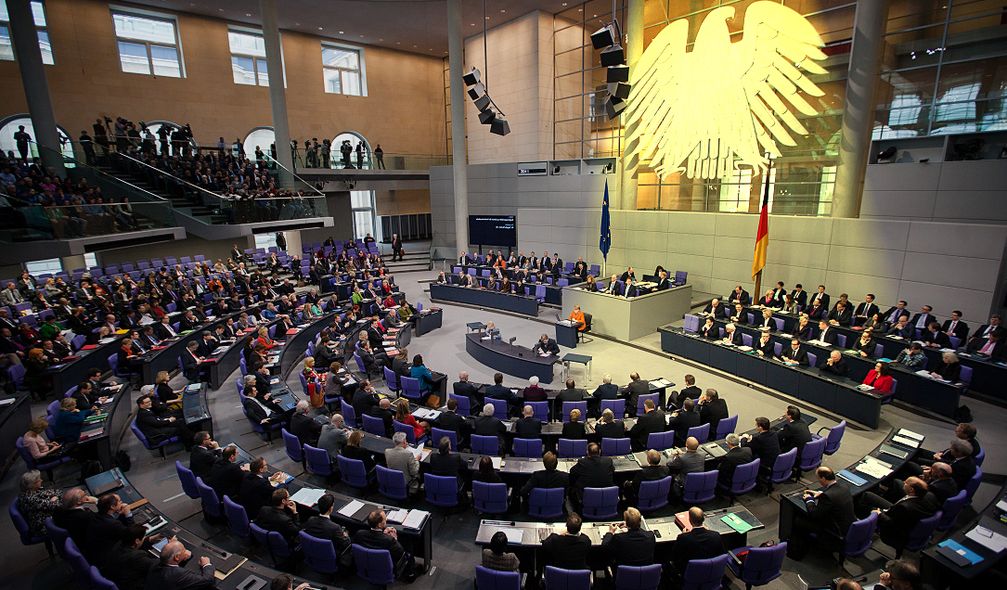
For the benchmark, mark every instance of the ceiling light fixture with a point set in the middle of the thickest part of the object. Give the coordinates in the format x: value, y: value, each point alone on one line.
x: 341, y: 33
x: 248, y: 14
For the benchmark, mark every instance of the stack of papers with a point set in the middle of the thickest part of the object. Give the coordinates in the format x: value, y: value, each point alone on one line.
x: 416, y: 519
x: 351, y: 508
x: 307, y: 496
x: 894, y: 452
x: 421, y: 453
x: 398, y: 515
x: 910, y: 434
x: 426, y: 414
x: 989, y: 539
x: 660, y: 383
x: 874, y: 467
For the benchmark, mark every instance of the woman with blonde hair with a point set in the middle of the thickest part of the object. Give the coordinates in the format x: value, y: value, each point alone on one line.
x: 165, y: 393
x: 404, y: 414
x: 36, y: 443
x: 264, y: 339
x: 37, y: 503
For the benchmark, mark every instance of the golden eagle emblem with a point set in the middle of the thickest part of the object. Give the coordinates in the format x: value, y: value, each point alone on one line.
x: 722, y: 105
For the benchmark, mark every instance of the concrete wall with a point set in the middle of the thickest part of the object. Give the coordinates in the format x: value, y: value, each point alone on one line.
x: 521, y: 84
x: 969, y: 191
x: 951, y: 265
x: 87, y: 81
x: 212, y: 249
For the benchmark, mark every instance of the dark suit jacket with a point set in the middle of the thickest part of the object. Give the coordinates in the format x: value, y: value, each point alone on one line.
x: 616, y: 429
x: 845, y: 317
x: 592, y: 472
x: 794, y: 434
x: 916, y: 318
x: 765, y: 446
x: 128, y: 567
x: 649, y: 473
x: 942, y: 489
x: 712, y: 412
x: 154, y: 427
x: 948, y: 372
x: 549, y: 346
x: 305, y: 428
x: 225, y: 478
x: 681, y: 425
x: 254, y: 410
x: 733, y: 458
x: 544, y: 478
x: 801, y: 355
x: 179, y: 578
x: 897, y: 522
x: 254, y: 492
x: 573, y: 430
x: 645, y: 425
x: 571, y: 395
x: 719, y: 313
x: 630, y: 548
x: 373, y: 539
x: 449, y: 421
x: 962, y: 471
x: 468, y: 390
x: 76, y: 522
x: 566, y: 551
x: 446, y: 465
x: 363, y: 402
x: 488, y: 426
x: 961, y: 330
x: 607, y: 391
x: 534, y: 394
x: 322, y: 527
x: 833, y: 512
x: 840, y: 368
x: 276, y: 519
x: 528, y: 427
x: 103, y: 532
x: 692, y: 392
x: 940, y: 338
x: 501, y: 392
x: 699, y: 543
x: 711, y: 333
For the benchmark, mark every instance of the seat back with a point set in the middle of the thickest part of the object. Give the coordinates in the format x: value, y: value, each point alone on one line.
x: 763, y: 564
x: 811, y: 454
x: 654, y: 494
x: 641, y: 399
x: 569, y: 406
x: 319, y: 554
x: 540, y: 410
x: 812, y: 359
x: 546, y: 502
x: 78, y: 563
x: 841, y: 340
x: 374, y: 425
x: 661, y: 440
x: 436, y: 434
x: 317, y: 461
x: 500, y: 410
x: 726, y: 426
x: 783, y: 467
x: 353, y: 472
x: 410, y: 387
x: 464, y: 404
x: 23, y: 530
x: 374, y: 565
x: 187, y: 479
x: 699, y: 487
x: 746, y: 339
x: 601, y: 503
x: 405, y: 429
x: 860, y: 535
x: 489, y: 498
x: 208, y: 498
x: 951, y: 508
x: 744, y: 477
x: 391, y: 379
x: 489, y: 579
x: 646, y: 577
x: 919, y: 537
x: 349, y: 414
x: 237, y: 518
x: 973, y: 483
x: 965, y: 375
x: 391, y: 483
x: 618, y: 407
x: 100, y: 582
x: 611, y: 447
x: 701, y: 433
x: 485, y: 445
x: 570, y: 448
x: 980, y: 457
x: 292, y: 445
x: 271, y: 540
x: 530, y: 448
x: 562, y: 579
x: 705, y: 574
x: 835, y: 438
x: 441, y: 490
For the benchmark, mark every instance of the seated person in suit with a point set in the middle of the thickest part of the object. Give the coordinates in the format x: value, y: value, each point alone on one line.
x: 321, y: 526
x: 865, y: 344
x: 169, y: 575
x: 896, y: 520
x: 548, y: 477
x: 354, y: 451
x: 652, y: 421
x: 690, y: 391
x: 805, y: 329
x: 487, y: 425
x: 994, y: 346
x: 496, y: 556
x: 628, y: 543
x: 732, y: 335
x: 450, y: 420
x: 983, y: 332
x: 740, y: 296
x: 697, y: 543
x: 682, y: 464
x: 444, y: 462
x: 682, y: 420
x: 736, y: 455
x: 534, y: 393
x: 609, y: 427
x: 712, y: 410
x: 498, y: 391
x: 574, y: 428
x: 192, y: 363
x: 765, y: 444
x: 880, y: 378
x: 652, y: 471
x: 205, y: 453
x: 528, y: 426
x: 160, y: 428
x: 835, y: 365
x: 794, y: 432
x: 384, y: 411
x: 129, y: 560
x: 829, y: 515
x: 569, y: 549
x: 256, y: 488
x: 280, y: 516
x: 795, y: 354
x: 607, y: 390
x: 715, y: 310
x: 950, y: 368
x: 841, y: 315
x: 592, y: 471
x: 934, y: 338
x: 710, y: 331
x: 262, y: 410
x: 765, y: 346
x: 767, y: 322
x: 485, y: 471
x: 226, y: 475
x: 465, y: 388
x: 400, y: 458
x: 901, y: 328
x: 545, y: 346
x: 738, y: 316
x: 956, y: 327
x: 303, y: 425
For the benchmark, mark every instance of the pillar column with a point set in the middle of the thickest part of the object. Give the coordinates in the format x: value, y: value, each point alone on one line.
x: 36, y: 87
x: 459, y: 160
x: 293, y: 239
x: 73, y: 261
x: 634, y: 49
x: 858, y: 109
x: 277, y: 93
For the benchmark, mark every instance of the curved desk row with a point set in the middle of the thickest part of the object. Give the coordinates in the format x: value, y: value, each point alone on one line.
x: 521, y: 304
x: 836, y: 395
x: 988, y: 376
x: 66, y: 375
x: 514, y: 360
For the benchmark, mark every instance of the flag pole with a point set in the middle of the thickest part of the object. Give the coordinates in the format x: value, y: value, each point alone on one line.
x: 762, y: 236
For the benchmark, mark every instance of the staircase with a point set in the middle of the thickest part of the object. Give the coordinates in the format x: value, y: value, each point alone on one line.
x: 180, y: 203
x: 416, y: 257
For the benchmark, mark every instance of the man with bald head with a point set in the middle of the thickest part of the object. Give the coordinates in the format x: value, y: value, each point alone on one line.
x: 691, y: 461
x: 697, y: 543
x: 467, y: 389
x: 73, y: 516
x: 652, y: 471
x: 169, y: 574
x: 896, y: 521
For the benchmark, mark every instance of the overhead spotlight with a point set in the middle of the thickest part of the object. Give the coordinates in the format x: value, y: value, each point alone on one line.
x: 614, y: 106
x: 472, y: 78
x: 500, y: 126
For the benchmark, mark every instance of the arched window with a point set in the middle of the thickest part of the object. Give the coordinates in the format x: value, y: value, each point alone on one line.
x: 263, y: 137
x: 156, y: 124
x: 9, y: 126
x: 338, y: 160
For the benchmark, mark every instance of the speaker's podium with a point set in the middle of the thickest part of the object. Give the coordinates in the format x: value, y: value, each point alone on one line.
x: 566, y: 333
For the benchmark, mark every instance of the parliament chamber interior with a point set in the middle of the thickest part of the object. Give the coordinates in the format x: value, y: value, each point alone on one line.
x: 316, y: 295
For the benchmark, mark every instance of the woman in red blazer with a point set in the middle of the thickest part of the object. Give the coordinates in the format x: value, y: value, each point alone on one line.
x: 880, y: 378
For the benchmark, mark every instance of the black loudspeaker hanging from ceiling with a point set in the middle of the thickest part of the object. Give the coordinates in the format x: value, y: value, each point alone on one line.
x: 478, y: 91
x: 613, y: 57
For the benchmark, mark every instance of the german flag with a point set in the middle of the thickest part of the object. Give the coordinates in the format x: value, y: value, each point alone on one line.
x: 762, y: 237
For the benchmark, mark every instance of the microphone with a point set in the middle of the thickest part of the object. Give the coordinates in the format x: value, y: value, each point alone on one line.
x: 511, y: 341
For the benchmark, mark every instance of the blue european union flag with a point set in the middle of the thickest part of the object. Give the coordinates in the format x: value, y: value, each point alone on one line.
x: 605, y: 243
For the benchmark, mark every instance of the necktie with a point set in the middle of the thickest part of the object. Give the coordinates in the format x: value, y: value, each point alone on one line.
x: 951, y: 330
x: 987, y: 348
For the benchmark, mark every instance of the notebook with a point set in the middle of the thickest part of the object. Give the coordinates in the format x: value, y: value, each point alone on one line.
x: 735, y: 522
x: 959, y: 554
x: 894, y: 452
x: 851, y: 477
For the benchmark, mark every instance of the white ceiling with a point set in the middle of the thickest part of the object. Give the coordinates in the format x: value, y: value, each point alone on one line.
x: 418, y: 26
